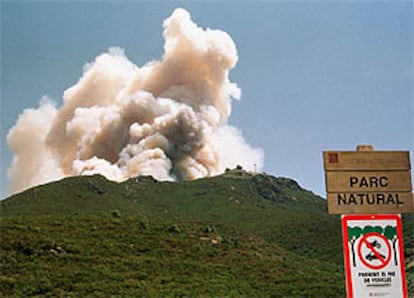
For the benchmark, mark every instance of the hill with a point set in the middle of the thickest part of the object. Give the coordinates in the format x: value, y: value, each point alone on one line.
x: 230, y: 235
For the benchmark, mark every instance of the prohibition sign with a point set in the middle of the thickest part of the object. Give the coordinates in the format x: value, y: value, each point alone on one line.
x: 374, y: 237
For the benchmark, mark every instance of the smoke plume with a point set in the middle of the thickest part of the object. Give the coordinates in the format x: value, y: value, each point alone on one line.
x: 167, y: 118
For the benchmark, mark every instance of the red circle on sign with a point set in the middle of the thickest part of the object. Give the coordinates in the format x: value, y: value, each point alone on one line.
x: 384, y: 260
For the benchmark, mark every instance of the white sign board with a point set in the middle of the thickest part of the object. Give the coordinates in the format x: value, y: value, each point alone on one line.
x: 374, y: 256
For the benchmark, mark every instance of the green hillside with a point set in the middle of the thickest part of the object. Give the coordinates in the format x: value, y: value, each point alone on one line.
x: 232, y: 235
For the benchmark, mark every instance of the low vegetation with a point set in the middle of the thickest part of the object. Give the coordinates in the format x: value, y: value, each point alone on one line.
x: 134, y: 256
x: 228, y: 236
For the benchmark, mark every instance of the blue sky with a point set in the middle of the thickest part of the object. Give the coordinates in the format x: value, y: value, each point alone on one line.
x: 315, y: 75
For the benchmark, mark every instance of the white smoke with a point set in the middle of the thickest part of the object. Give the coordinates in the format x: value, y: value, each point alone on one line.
x: 167, y: 119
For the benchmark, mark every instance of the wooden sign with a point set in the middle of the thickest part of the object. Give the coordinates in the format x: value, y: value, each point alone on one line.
x: 366, y: 160
x: 352, y: 181
x: 368, y: 182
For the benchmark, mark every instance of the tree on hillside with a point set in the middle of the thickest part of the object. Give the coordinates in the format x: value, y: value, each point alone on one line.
x: 391, y: 234
x: 353, y: 234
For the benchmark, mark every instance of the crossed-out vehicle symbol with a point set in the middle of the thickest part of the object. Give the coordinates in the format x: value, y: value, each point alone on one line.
x: 371, y: 256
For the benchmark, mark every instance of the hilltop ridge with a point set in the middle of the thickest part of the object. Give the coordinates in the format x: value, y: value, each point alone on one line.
x: 235, y: 234
x: 79, y: 192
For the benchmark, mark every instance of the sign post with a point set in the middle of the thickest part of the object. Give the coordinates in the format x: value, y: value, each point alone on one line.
x: 368, y: 182
x: 373, y: 254
x: 365, y: 182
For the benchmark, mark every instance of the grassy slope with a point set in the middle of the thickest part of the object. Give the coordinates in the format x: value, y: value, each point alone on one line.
x: 284, y: 218
x: 287, y: 215
x: 128, y: 255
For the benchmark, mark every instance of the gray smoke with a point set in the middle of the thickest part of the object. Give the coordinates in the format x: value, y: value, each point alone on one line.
x: 167, y: 118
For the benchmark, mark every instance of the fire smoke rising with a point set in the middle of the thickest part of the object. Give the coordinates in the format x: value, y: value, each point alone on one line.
x: 167, y: 118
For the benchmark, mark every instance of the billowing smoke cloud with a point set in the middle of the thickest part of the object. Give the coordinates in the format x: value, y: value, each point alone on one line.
x: 166, y: 119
